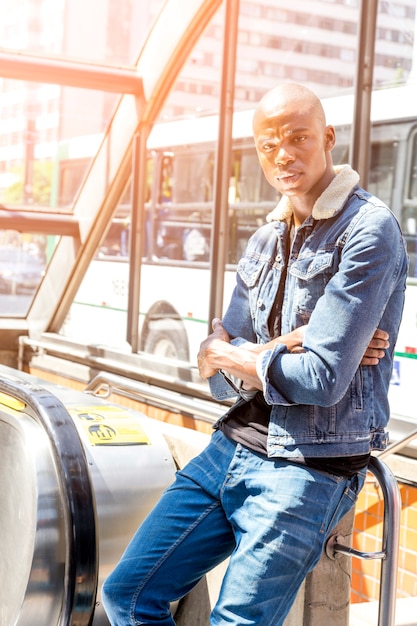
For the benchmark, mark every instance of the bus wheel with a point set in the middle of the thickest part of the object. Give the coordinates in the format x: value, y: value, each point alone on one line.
x: 167, y: 338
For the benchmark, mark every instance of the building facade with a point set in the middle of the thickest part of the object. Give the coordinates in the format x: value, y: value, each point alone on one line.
x: 276, y: 43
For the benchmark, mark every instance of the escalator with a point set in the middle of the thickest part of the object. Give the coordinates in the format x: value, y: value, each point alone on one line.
x: 78, y: 476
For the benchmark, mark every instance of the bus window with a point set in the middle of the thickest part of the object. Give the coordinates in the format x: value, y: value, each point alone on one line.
x: 412, y: 182
x: 252, y: 185
x: 409, y: 217
x: 340, y: 154
x: 381, y: 173
x: 180, y: 212
x: 115, y: 240
x: 243, y: 221
x: 182, y: 231
x: 251, y: 198
x: 193, y: 174
x: 165, y: 183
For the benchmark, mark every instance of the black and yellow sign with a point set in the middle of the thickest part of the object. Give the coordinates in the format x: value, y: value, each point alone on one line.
x: 110, y: 425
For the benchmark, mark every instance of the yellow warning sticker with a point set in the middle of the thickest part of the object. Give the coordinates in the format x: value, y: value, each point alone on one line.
x: 11, y: 402
x: 110, y: 425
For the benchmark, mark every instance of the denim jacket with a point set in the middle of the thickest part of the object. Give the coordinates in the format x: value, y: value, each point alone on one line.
x: 346, y: 276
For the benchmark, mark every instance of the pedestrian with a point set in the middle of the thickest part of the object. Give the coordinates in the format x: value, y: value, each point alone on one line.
x: 304, y: 347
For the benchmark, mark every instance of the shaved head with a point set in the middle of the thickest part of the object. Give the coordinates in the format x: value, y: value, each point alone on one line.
x: 287, y: 96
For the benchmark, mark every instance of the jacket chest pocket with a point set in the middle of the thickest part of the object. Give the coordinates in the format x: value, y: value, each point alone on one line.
x: 261, y: 281
x: 309, y: 276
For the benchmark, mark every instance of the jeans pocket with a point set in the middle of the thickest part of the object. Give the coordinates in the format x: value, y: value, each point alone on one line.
x: 348, y: 499
x: 356, y: 483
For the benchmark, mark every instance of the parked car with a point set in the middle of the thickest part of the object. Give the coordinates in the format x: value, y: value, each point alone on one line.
x: 20, y: 271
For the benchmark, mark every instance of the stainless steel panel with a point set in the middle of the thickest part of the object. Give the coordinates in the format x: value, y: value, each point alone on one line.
x: 125, y: 461
x: 33, y: 552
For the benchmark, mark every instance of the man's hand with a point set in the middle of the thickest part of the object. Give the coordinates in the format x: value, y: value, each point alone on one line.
x: 205, y: 357
x: 376, y: 349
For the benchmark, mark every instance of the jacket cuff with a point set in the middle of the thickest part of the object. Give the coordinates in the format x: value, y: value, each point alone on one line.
x: 271, y: 393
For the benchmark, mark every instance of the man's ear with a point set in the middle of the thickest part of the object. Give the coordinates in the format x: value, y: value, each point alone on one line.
x: 330, y: 137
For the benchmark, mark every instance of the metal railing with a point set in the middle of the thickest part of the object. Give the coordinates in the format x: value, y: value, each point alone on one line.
x: 398, y: 445
x: 390, y: 542
x: 105, y: 384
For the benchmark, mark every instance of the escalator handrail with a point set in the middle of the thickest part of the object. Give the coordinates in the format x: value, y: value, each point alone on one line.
x: 81, y: 567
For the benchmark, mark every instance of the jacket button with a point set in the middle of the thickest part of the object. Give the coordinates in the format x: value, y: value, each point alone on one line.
x: 259, y: 303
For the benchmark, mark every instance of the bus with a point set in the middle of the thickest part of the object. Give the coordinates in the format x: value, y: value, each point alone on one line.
x: 175, y: 278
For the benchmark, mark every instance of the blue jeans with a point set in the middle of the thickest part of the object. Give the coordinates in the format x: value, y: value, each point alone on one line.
x: 271, y: 517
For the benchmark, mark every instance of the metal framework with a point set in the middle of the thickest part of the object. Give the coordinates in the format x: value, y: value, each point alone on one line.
x: 144, y: 89
x: 57, y: 71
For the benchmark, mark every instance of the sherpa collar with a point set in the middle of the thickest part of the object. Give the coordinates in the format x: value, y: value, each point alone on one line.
x: 330, y: 201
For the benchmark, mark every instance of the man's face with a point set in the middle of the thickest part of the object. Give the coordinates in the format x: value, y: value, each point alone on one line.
x: 293, y: 148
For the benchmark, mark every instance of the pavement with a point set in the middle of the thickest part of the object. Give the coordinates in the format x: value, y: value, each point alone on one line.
x: 366, y: 613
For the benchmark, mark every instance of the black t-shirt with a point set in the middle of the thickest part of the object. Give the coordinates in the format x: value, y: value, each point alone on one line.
x: 247, y: 423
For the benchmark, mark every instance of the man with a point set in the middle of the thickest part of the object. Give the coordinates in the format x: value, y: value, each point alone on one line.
x: 287, y: 461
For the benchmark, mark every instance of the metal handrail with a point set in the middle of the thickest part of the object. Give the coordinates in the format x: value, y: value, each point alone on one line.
x: 390, y: 542
x: 104, y: 384
x: 398, y: 445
